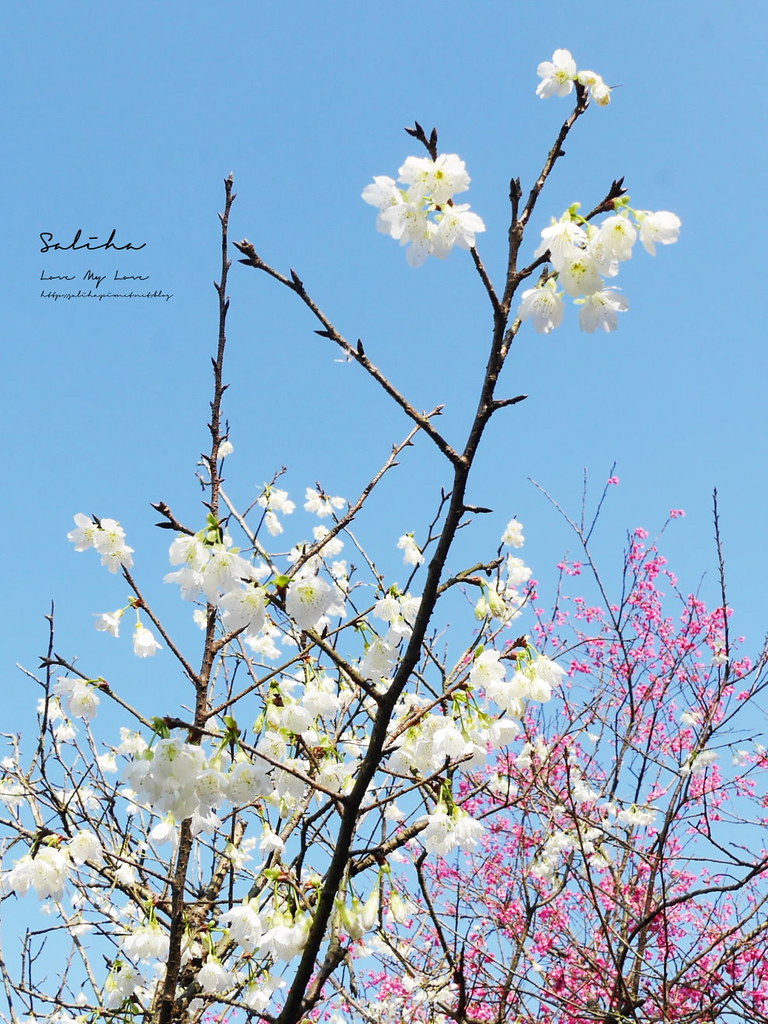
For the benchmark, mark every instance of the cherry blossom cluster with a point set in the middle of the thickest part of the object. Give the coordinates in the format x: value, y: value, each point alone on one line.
x: 275, y: 931
x: 213, y: 569
x: 105, y: 535
x: 559, y: 75
x: 180, y: 782
x: 423, y: 215
x: 171, y: 779
x: 108, y: 538
x: 47, y: 869
x: 582, y: 255
x: 486, y: 733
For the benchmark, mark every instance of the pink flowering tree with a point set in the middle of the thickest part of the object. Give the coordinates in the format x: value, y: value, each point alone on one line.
x: 342, y: 818
x: 621, y: 871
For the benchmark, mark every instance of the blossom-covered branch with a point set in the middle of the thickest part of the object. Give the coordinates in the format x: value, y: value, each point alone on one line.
x: 355, y: 812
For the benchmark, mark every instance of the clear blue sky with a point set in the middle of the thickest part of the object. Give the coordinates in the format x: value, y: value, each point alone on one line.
x: 128, y: 116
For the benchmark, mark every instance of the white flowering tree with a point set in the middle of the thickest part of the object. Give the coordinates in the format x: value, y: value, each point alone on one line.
x: 275, y: 847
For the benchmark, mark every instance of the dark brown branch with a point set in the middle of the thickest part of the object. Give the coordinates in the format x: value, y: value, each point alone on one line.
x: 479, y: 266
x: 555, y: 153
x: 170, y: 522
x: 418, y: 133
x: 354, y: 353
x: 142, y: 604
x: 167, y: 993
x: 502, y: 403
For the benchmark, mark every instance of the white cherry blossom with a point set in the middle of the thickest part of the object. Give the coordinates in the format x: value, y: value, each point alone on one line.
x: 436, y: 180
x: 598, y: 90
x: 563, y: 239
x: 383, y: 193
x: 81, y: 697
x: 121, y: 983
x: 618, y: 234
x: 214, y: 978
x: 46, y: 873
x: 556, y: 75
x: 146, y: 942
x: 601, y: 309
x: 487, y: 669
x: 379, y: 660
x: 307, y: 600
x: 287, y: 935
x: 660, y: 228
x: 145, y: 644
x: 458, y: 225
x: 84, y: 534
x: 109, y: 622
x: 358, y: 918
x: 412, y: 554
x: 544, y: 306
x: 513, y: 534
x: 85, y: 846
x: 189, y: 551
x: 580, y: 276
x: 244, y: 924
x: 322, y: 505
x: 423, y: 215
x: 109, y: 541
x: 244, y: 609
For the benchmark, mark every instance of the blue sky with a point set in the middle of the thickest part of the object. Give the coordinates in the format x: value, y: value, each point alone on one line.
x: 129, y: 117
